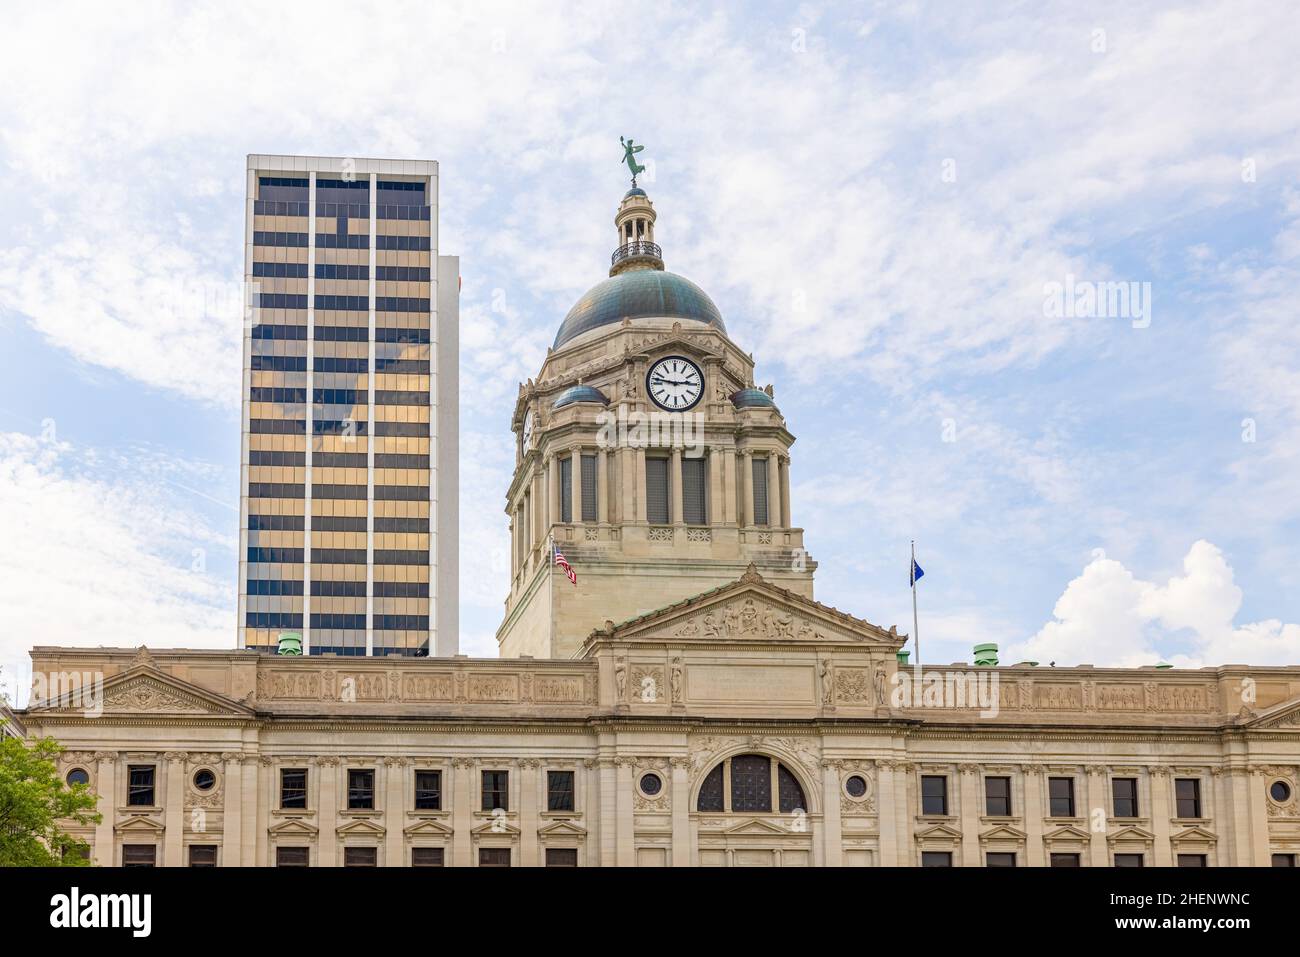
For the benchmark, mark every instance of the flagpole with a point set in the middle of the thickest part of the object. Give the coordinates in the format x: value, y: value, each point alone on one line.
x: 916, y: 627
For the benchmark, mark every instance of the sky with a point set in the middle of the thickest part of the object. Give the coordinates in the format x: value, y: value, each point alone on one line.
x: 899, y: 208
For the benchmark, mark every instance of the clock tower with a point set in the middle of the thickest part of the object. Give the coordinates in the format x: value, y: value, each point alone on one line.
x: 645, y: 452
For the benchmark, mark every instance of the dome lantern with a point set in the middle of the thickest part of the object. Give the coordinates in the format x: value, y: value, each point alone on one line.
x: 635, y: 222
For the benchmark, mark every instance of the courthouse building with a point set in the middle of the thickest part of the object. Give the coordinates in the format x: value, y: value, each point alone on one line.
x: 688, y: 702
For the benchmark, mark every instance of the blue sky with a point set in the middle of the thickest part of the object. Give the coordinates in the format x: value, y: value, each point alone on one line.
x: 878, y: 197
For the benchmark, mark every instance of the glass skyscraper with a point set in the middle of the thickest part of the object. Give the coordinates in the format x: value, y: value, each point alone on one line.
x: 348, y: 508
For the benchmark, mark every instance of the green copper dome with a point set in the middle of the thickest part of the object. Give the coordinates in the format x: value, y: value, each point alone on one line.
x: 640, y: 294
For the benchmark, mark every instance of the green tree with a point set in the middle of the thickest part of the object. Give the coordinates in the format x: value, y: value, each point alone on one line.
x: 34, y: 800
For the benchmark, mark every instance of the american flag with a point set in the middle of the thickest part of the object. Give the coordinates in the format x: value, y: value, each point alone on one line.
x: 564, y: 563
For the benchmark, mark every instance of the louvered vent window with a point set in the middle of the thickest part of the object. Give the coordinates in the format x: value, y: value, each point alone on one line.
x: 589, y: 488
x: 693, y: 494
x: 656, y: 487
x: 760, y: 491
x: 566, y: 490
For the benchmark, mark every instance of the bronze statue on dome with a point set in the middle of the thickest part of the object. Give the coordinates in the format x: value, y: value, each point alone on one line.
x: 630, y: 149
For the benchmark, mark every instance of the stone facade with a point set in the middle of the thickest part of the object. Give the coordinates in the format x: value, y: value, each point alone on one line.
x: 748, y: 669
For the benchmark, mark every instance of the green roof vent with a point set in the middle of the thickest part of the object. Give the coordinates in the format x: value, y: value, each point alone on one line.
x: 986, y: 656
x: 290, y: 643
x: 902, y: 657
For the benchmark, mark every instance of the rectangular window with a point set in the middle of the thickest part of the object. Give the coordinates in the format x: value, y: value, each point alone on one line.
x: 426, y: 857
x: 936, y: 859
x: 494, y: 857
x: 360, y: 857
x: 428, y: 790
x: 566, y: 489
x: 293, y: 789
x: 1124, y: 791
x: 1065, y: 860
x: 694, y: 494
x: 656, y: 491
x: 999, y: 859
x: 1060, y: 795
x: 203, y: 855
x: 292, y: 857
x: 361, y: 790
x: 1128, y: 860
x: 589, y: 488
x: 1187, y: 791
x: 559, y: 790
x: 997, y: 797
x: 139, y: 855
x: 1191, y: 860
x: 495, y: 787
x: 140, y: 785
x: 760, y: 490
x: 934, y: 794
x: 1284, y: 860
x: 561, y: 857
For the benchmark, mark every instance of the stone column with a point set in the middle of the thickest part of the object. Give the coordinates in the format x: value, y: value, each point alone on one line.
x: 785, y: 492
x: 106, y: 786
x: 681, y: 799
x: 232, y: 810
x: 248, y: 838
x: 591, y: 811
x: 675, y: 484
x: 641, y: 511
x: 904, y: 820
x: 608, y: 814
x: 626, y: 835
x: 1098, y: 852
x: 833, y: 843
x: 462, y: 811
x: 174, y: 809
x: 265, y: 788
x: 715, y: 511
x: 328, y: 812
x: 528, y: 812
x: 395, y: 812
x: 602, y: 486
x: 887, y: 813
x: 774, y: 507
x: 1034, y: 855
x: 746, y: 513
x: 970, y: 811
x: 553, y: 478
x: 1160, y: 815
x: 1258, y: 854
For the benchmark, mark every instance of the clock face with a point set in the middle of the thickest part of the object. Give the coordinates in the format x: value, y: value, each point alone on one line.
x: 675, y: 383
x: 528, y: 430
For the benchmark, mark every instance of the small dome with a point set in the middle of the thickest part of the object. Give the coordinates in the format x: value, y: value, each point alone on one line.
x: 580, y: 393
x: 752, y: 399
x: 643, y: 294
x: 634, y: 191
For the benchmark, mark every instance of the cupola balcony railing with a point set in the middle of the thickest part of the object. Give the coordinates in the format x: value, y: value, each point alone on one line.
x: 635, y: 250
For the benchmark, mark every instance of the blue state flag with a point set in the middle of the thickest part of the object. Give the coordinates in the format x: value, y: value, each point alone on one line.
x: 917, y: 572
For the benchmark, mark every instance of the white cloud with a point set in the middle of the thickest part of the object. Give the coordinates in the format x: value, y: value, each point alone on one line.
x: 1109, y: 617
x: 95, y: 553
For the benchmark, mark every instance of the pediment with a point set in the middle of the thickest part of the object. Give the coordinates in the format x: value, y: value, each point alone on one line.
x: 1195, y: 835
x: 496, y: 826
x: 1003, y: 832
x: 144, y: 689
x: 428, y: 828
x: 1283, y: 716
x: 939, y: 832
x: 1067, y: 832
x: 750, y: 610
x: 1132, y: 833
x: 293, y: 828
x: 360, y: 828
x: 139, y: 825
x: 758, y: 826
x: 562, y: 829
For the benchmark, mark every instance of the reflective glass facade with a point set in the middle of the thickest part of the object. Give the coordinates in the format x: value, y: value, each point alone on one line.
x: 341, y: 497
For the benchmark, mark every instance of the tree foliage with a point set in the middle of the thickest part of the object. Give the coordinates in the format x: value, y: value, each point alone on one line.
x: 35, y: 804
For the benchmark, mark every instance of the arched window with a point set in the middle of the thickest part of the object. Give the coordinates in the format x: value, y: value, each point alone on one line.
x: 753, y: 784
